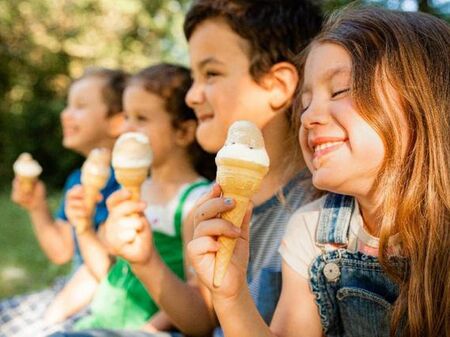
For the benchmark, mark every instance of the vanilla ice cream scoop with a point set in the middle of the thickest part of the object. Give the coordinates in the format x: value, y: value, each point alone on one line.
x: 244, y: 142
x: 26, y: 166
x: 131, y: 160
x: 132, y: 150
x: 97, y: 163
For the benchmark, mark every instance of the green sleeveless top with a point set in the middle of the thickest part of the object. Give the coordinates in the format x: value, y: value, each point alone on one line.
x: 121, y: 300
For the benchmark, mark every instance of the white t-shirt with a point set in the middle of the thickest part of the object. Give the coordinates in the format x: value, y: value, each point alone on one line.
x: 162, y: 217
x: 298, y: 247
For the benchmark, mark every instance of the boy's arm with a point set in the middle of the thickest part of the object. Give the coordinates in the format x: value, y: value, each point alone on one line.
x: 181, y: 301
x: 54, y: 236
x: 93, y: 250
x: 75, y: 295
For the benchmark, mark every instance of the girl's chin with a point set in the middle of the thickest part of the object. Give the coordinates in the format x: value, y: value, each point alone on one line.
x: 324, y: 182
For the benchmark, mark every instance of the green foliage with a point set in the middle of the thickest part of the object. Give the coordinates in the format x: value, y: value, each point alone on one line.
x: 46, y: 43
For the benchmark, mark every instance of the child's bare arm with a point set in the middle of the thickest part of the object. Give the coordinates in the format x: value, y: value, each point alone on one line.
x: 76, y: 294
x: 133, y: 241
x: 54, y: 236
x: 159, y: 322
x: 94, y: 252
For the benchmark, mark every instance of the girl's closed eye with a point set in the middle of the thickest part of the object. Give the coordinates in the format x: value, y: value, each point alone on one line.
x: 209, y: 74
x: 340, y: 93
x: 79, y: 105
x: 304, y: 103
x: 141, y: 118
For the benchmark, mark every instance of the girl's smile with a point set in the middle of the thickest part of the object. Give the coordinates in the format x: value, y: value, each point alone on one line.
x: 342, y: 150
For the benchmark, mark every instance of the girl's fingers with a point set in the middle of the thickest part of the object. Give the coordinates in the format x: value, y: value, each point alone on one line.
x: 116, y: 198
x: 76, y: 203
x: 127, y: 208
x: 78, y: 214
x: 127, y: 236
x: 212, y: 208
x: 202, y: 245
x: 129, y: 223
x: 214, y: 192
x: 216, y: 227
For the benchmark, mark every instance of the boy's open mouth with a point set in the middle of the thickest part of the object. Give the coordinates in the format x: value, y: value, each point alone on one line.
x: 204, y: 117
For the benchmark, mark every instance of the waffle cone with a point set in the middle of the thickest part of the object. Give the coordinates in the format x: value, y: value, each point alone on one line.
x: 131, y: 179
x: 26, y: 184
x: 92, y: 184
x: 239, y: 180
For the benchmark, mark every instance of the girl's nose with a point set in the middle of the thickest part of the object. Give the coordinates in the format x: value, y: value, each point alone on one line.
x: 129, y: 126
x: 194, y: 95
x: 314, y: 115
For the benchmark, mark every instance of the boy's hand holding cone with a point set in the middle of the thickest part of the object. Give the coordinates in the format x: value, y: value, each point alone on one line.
x: 94, y: 177
x: 242, y: 164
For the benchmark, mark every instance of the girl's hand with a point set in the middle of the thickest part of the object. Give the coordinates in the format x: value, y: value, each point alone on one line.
x: 127, y: 231
x: 33, y: 201
x: 75, y: 207
x: 201, y: 250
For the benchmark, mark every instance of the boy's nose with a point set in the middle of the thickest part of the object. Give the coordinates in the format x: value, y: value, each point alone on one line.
x: 194, y: 95
x: 65, y: 114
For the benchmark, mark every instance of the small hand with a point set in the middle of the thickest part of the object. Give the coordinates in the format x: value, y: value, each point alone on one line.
x: 32, y: 201
x: 127, y: 231
x: 203, y: 247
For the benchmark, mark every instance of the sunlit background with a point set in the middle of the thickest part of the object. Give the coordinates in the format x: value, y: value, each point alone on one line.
x: 46, y: 43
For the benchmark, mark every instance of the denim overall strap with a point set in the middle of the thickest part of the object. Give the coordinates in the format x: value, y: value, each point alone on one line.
x: 353, y: 294
x: 334, y: 220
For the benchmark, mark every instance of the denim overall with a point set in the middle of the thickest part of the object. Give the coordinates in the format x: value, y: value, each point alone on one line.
x: 352, y: 292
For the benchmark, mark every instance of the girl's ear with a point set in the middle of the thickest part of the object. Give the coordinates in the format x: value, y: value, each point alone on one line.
x: 185, y: 132
x: 116, y: 124
x: 281, y: 81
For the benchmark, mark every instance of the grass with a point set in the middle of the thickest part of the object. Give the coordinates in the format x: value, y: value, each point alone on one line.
x: 23, y: 266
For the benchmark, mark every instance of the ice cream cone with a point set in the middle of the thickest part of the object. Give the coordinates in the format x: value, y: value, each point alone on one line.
x: 132, y: 157
x: 131, y: 179
x: 238, y: 180
x: 94, y: 177
x: 241, y: 166
x: 26, y: 184
x: 27, y: 171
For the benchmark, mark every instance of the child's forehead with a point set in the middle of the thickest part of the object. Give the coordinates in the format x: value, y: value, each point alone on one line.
x: 87, y: 86
x: 86, y: 82
x: 217, y: 34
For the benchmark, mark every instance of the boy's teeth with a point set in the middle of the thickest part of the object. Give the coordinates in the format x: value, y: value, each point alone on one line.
x: 326, y: 145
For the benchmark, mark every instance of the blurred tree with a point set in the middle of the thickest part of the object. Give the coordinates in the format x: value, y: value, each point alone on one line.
x: 46, y: 43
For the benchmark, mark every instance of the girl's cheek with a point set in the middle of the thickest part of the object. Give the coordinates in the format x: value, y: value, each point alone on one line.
x: 303, y: 139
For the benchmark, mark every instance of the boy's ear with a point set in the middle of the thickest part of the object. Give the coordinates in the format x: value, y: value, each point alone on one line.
x: 185, y: 132
x: 116, y: 124
x: 281, y: 80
